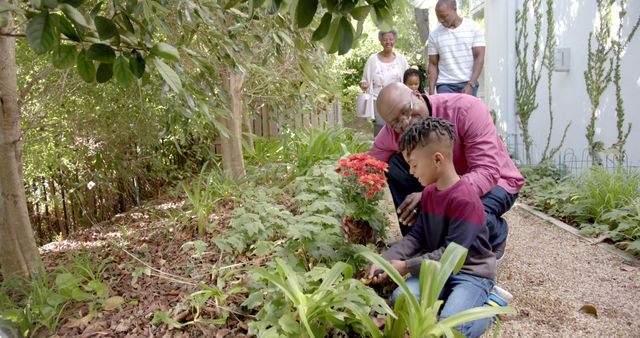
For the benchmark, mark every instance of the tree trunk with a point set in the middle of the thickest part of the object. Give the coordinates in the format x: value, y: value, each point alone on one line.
x: 422, y: 21
x: 18, y: 250
x: 232, y: 158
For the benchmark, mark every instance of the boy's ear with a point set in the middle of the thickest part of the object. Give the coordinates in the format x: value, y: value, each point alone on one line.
x: 438, y: 158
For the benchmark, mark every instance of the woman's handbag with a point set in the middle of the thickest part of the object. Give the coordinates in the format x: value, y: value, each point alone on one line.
x: 365, y: 106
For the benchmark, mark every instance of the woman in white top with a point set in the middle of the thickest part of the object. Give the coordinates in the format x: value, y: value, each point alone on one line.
x: 381, y: 69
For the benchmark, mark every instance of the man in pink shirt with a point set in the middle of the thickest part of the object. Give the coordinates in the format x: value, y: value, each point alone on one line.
x: 479, y: 155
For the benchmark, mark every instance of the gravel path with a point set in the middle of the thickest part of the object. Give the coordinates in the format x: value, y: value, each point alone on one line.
x: 553, y: 274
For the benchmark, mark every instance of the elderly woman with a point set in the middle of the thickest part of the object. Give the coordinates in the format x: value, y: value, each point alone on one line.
x: 381, y: 69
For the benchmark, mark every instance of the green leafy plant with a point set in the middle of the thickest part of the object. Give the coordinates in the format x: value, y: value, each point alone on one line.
x: 420, y: 316
x: 311, y: 308
x: 40, y: 302
x: 206, y: 191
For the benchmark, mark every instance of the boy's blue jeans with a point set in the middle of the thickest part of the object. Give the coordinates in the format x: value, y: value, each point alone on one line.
x: 460, y: 292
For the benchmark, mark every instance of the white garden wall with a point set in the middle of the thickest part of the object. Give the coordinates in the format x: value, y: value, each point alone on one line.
x: 574, y: 20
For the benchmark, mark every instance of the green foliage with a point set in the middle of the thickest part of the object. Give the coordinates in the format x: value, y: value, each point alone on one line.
x: 420, y: 316
x: 296, y: 151
x: 599, y: 201
x: 39, y: 302
x: 211, y: 296
x: 315, y: 303
x: 205, y: 193
x: 597, y: 76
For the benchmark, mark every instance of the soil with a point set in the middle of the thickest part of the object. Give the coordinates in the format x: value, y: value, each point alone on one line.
x: 551, y: 273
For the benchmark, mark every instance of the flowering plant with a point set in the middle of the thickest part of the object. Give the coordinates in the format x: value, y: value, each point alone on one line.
x: 362, y: 187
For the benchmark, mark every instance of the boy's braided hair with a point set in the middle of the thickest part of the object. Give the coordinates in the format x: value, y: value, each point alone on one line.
x: 426, y: 131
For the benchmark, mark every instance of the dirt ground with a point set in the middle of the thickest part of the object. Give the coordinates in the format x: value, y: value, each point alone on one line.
x: 553, y: 274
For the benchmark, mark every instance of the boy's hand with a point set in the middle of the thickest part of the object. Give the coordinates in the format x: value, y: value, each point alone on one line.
x: 409, y: 209
x: 401, y: 266
x: 374, y: 276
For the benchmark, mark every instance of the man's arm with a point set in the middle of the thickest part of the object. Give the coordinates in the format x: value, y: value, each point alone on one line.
x: 481, y: 147
x: 433, y: 72
x: 478, y: 63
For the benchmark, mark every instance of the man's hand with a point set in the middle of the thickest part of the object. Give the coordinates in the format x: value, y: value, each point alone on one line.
x: 364, y: 85
x: 467, y: 89
x: 409, y: 208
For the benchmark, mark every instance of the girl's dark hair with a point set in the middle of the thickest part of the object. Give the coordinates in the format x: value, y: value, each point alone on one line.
x: 426, y: 131
x: 420, y: 73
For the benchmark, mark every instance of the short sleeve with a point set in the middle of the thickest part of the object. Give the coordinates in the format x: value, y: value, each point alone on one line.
x: 478, y: 36
x: 432, y: 46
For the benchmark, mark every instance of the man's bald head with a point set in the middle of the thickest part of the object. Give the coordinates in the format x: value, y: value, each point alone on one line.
x: 449, y: 3
x: 398, y: 104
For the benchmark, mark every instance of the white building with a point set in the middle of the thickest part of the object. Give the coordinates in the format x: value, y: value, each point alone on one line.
x: 574, y: 20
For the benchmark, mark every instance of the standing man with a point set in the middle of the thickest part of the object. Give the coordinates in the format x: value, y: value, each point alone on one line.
x: 456, y: 52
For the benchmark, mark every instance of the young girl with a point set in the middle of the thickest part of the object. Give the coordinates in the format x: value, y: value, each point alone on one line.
x: 413, y: 78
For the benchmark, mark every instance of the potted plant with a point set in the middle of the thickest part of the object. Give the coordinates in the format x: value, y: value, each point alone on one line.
x: 362, y: 185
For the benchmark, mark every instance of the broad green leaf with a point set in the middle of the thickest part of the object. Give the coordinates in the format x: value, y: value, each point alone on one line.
x: 382, y: 18
x: 331, y: 40
x: 305, y: 11
x: 50, y: 3
x: 74, y: 3
x: 41, y: 34
x: 96, y: 9
x: 113, y: 303
x: 66, y: 280
x: 105, y: 27
x: 345, y: 35
x: 331, y: 5
x: 168, y: 74
x: 65, y: 27
x: 73, y: 14
x: 126, y: 22
x: 323, y: 27
x: 86, y: 69
x: 64, y: 56
x: 101, y: 52
x: 165, y: 51
x: 122, y: 71
x: 360, y: 13
x: 104, y: 73
x: 289, y: 324
x: 137, y: 64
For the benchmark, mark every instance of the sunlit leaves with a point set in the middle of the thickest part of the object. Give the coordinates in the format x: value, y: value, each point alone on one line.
x: 165, y: 51
x: 305, y: 11
x: 122, y: 72
x: 64, y: 56
x: 41, y: 34
x: 73, y: 14
x: 105, y: 27
x: 64, y: 26
x: 360, y: 13
x: 86, y: 68
x: 101, y: 52
x: 168, y: 74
